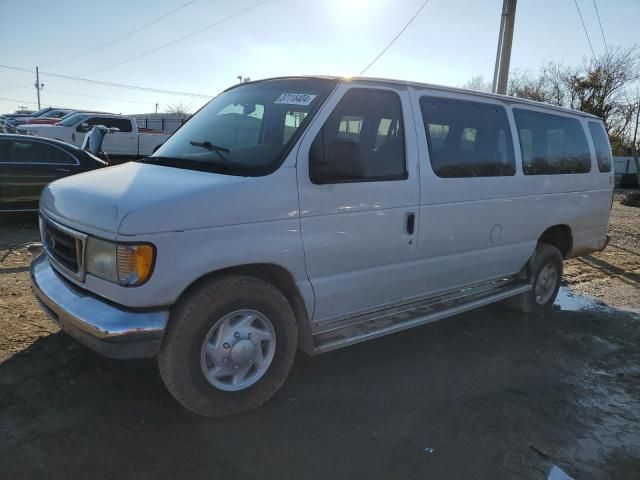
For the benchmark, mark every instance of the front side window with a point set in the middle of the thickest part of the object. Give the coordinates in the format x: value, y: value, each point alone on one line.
x: 467, y: 139
x: 5, y: 150
x: 601, y: 144
x: 551, y: 144
x: 246, y: 130
x: 36, y: 152
x: 362, y: 140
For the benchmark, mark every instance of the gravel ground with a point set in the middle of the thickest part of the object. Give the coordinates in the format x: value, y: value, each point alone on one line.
x: 488, y: 394
x: 614, y: 274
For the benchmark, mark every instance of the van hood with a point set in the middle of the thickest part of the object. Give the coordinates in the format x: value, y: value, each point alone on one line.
x: 137, y: 198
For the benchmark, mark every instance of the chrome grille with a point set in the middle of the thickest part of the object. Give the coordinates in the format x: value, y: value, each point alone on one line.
x: 64, y: 246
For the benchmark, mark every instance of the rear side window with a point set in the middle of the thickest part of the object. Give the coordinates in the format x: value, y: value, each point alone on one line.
x: 601, y: 144
x: 122, y: 124
x: 551, y: 144
x: 36, y: 152
x: 94, y: 121
x: 362, y: 140
x: 467, y: 139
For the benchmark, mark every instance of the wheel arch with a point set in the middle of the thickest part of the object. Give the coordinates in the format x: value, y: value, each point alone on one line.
x: 281, y: 279
x: 560, y: 236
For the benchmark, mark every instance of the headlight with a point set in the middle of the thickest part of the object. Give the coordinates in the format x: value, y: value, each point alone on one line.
x: 127, y: 264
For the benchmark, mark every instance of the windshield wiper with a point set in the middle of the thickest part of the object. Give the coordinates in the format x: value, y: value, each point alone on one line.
x: 203, y: 165
x: 212, y: 148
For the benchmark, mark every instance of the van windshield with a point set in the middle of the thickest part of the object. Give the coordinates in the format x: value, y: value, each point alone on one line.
x: 246, y: 130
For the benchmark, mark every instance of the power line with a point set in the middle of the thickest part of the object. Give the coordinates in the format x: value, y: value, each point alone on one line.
x: 395, y: 38
x: 81, y: 94
x: 110, y: 84
x: 17, y: 101
x: 128, y: 34
x: 585, y: 28
x: 184, y: 37
x: 606, y: 48
x: 101, y: 97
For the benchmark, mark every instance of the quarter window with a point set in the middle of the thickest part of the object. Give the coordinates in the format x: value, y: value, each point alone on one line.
x: 467, y: 139
x: 362, y: 140
x: 551, y: 144
x: 601, y: 144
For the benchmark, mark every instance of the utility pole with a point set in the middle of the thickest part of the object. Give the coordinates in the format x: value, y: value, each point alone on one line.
x: 157, y: 107
x: 39, y: 86
x: 503, y: 54
x: 634, y: 144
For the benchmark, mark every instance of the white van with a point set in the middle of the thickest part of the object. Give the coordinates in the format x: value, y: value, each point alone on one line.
x: 315, y: 213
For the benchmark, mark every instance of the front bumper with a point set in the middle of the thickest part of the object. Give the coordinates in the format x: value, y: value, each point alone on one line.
x: 106, y: 328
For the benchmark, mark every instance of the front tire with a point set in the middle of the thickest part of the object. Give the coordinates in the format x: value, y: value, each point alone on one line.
x: 544, y: 274
x: 229, y: 346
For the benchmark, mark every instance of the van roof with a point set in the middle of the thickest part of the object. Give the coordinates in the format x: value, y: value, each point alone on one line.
x: 389, y: 81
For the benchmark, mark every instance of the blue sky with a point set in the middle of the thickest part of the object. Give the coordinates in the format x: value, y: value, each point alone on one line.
x: 450, y: 42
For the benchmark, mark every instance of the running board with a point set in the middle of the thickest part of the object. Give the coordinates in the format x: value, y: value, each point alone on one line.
x: 383, y: 322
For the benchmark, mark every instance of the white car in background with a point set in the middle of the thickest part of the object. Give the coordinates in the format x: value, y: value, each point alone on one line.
x: 126, y: 142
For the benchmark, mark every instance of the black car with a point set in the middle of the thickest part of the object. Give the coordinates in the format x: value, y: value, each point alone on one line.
x: 27, y: 164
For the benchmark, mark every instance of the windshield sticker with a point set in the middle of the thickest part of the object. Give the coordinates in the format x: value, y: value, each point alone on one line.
x: 296, y: 98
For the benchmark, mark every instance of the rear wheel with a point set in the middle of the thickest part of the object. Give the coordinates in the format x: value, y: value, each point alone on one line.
x: 229, y: 346
x: 545, y: 275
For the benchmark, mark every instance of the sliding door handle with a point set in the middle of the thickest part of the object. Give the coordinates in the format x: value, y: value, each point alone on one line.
x: 411, y: 223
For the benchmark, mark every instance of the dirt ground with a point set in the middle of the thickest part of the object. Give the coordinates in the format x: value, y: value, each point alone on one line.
x: 488, y: 394
x: 614, y: 274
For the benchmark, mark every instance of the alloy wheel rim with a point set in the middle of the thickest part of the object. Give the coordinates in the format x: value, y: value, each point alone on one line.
x: 238, y: 350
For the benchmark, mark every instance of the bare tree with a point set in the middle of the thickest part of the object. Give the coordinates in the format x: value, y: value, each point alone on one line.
x: 478, y: 84
x: 600, y: 86
x: 635, y: 141
x: 179, y: 109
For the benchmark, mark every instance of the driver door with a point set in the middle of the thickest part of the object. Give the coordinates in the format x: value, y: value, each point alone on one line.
x: 358, y: 185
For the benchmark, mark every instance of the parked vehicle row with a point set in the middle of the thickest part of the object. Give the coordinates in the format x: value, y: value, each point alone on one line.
x: 11, y: 122
x: 128, y: 142
x: 316, y: 213
x: 47, y: 120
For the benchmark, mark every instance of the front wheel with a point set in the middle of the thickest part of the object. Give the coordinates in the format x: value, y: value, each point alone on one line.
x: 545, y: 275
x: 229, y: 346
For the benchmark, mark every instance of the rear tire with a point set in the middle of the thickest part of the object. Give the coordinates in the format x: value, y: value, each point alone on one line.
x: 241, y: 320
x: 544, y: 272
